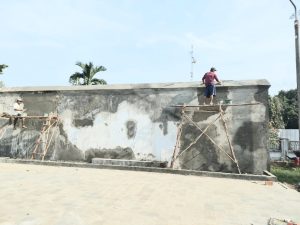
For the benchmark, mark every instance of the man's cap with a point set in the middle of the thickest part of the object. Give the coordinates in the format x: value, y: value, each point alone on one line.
x: 213, y: 69
x: 19, y: 100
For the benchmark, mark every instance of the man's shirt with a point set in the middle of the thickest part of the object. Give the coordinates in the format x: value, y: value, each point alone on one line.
x: 18, y: 107
x: 209, y: 78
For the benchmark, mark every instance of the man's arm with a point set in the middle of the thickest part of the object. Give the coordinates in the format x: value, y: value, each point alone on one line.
x: 203, y: 78
x: 217, y: 79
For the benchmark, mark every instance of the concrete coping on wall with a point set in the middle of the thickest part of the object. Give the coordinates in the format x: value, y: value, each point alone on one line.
x: 173, y: 85
x: 267, y: 176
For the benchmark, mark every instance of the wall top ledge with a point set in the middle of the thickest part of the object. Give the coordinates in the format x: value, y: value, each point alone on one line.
x: 171, y: 85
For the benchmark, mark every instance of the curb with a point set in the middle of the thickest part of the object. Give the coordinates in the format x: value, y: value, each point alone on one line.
x: 267, y: 177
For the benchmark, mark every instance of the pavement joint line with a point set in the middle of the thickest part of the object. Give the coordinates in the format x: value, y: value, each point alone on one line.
x: 267, y: 177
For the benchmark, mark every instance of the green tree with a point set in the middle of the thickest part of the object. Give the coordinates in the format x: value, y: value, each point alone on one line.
x: 283, y: 110
x: 86, y: 77
x: 289, y: 102
x: 275, y: 113
x: 2, y: 67
x: 276, y: 120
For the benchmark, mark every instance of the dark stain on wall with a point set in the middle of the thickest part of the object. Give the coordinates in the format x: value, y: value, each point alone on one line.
x: 244, y: 135
x: 165, y: 127
x: 83, y: 122
x: 261, y: 95
x: 131, y: 129
x: 161, y: 126
x: 117, y: 153
x: 67, y: 151
x: 23, y: 143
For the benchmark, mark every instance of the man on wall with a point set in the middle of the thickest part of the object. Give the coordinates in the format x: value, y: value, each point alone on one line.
x: 210, y: 89
x: 18, y: 112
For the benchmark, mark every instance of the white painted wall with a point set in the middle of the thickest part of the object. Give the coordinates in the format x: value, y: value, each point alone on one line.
x: 109, y: 131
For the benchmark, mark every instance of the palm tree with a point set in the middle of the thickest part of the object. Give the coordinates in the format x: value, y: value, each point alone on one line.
x: 86, y: 77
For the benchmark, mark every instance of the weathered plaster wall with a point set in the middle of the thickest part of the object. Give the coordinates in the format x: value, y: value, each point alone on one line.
x: 137, y: 122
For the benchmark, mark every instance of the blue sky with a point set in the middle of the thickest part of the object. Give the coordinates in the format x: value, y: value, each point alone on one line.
x: 143, y: 41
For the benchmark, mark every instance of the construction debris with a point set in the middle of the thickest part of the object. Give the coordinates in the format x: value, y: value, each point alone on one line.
x: 273, y: 221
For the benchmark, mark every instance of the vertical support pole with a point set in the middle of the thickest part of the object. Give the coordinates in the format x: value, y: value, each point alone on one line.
x: 297, y: 70
x: 177, y: 146
x: 296, y: 25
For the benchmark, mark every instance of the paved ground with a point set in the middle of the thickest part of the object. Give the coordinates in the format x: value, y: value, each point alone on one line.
x: 38, y: 195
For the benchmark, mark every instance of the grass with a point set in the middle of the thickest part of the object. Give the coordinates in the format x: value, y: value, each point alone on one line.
x: 286, y: 174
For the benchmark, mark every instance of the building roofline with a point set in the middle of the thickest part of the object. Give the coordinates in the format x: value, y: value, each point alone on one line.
x: 171, y: 85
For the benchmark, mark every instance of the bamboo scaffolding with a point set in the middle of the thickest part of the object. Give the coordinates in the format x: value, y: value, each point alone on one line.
x: 201, y: 108
x: 45, y: 132
x: 195, y: 141
x: 219, y: 147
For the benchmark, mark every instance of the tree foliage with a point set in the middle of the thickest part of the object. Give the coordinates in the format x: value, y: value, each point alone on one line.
x: 275, y: 113
x: 2, y: 67
x: 86, y: 77
x: 283, y: 110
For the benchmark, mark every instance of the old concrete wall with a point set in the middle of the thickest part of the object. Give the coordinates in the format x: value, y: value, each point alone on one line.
x: 137, y: 122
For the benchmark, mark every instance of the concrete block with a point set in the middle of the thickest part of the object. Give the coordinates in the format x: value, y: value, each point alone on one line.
x: 125, y: 162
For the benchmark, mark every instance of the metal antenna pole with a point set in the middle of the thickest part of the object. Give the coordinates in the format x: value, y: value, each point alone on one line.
x: 296, y: 25
x: 193, y: 61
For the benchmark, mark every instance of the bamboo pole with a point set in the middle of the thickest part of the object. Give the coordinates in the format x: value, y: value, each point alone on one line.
x: 38, y: 142
x: 177, y: 145
x: 48, y: 143
x: 229, y: 142
x: 3, y: 132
